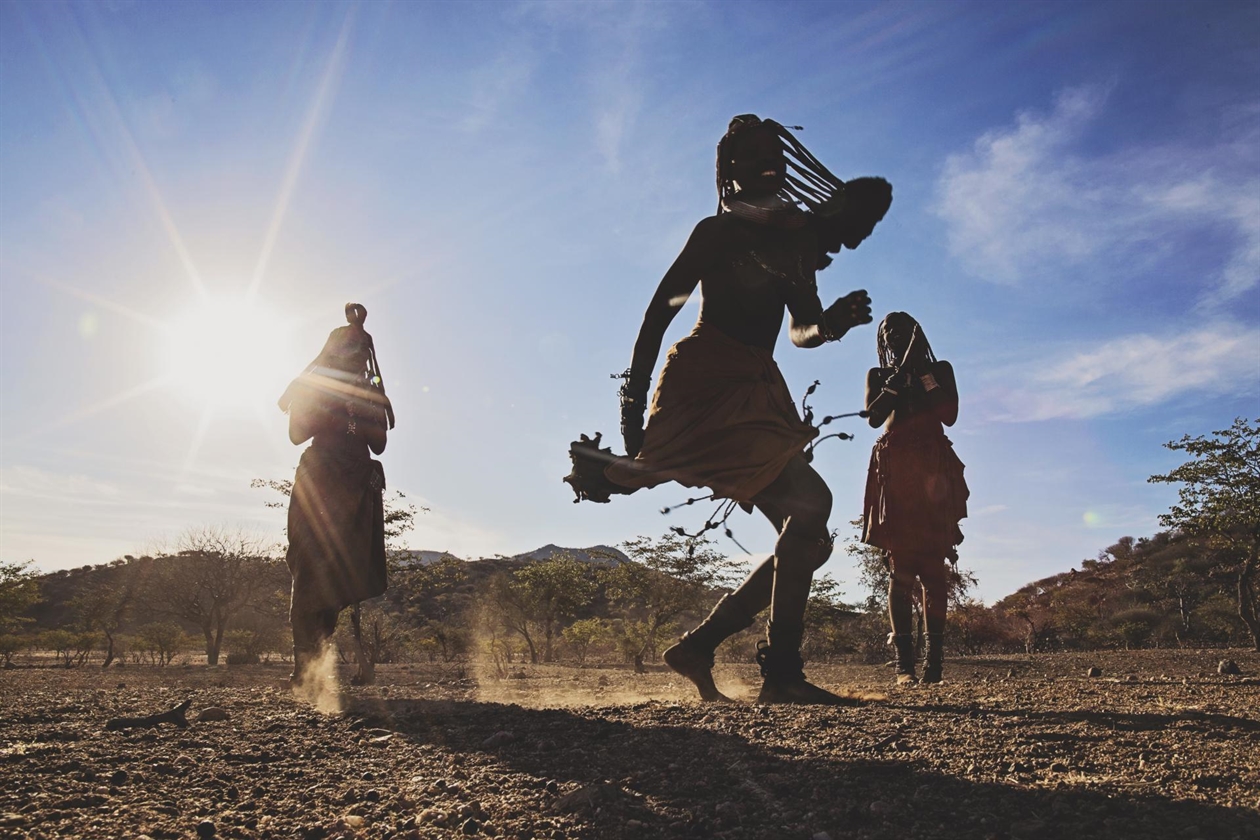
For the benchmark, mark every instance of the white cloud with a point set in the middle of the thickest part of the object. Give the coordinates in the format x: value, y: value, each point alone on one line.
x: 32, y: 482
x: 1129, y: 372
x: 1025, y: 201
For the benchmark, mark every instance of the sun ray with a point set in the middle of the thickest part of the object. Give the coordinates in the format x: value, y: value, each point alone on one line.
x: 91, y: 410
x: 104, y: 303
x: 322, y: 100
x: 114, y: 118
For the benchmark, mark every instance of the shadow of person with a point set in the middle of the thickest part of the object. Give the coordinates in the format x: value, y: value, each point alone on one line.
x: 648, y: 770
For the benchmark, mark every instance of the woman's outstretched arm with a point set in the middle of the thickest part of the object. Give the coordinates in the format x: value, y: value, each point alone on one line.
x: 674, y: 290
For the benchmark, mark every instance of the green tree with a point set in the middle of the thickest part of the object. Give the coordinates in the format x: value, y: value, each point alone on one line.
x: 665, y: 578
x: 555, y: 591
x: 1219, y: 502
x: 584, y: 634
x: 19, y: 590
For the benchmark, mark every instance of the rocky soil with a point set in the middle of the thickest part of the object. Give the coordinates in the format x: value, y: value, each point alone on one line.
x: 1159, y: 746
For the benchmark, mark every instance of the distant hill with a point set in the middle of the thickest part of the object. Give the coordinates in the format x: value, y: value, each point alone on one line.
x: 599, y: 555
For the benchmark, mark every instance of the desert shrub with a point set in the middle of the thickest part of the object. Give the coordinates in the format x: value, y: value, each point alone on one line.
x: 10, y: 643
x: 1217, y: 623
x: 586, y: 636
x: 70, y: 648
x: 1137, y: 627
x: 244, y: 647
x: 158, y: 642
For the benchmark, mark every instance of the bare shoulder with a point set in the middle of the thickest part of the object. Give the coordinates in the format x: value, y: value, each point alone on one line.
x: 943, y: 371
x: 877, y: 374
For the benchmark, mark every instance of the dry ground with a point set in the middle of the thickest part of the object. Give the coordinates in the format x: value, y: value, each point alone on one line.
x: 1010, y: 747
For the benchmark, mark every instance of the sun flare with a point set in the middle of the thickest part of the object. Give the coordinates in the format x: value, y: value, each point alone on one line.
x: 230, y: 353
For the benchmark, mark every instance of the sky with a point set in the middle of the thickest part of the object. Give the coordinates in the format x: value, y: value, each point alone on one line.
x: 190, y: 192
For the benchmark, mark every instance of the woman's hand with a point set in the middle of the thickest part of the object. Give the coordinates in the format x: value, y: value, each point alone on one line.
x: 846, y: 313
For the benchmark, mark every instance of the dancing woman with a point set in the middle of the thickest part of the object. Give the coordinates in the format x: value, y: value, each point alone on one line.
x: 722, y: 416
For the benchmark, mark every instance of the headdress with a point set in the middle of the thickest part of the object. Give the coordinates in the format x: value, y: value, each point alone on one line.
x: 348, y: 360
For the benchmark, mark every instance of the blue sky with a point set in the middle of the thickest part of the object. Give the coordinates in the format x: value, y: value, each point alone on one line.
x: 1076, y: 223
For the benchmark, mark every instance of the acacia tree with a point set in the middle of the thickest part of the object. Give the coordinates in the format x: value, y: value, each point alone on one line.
x: 666, y: 577
x: 1219, y: 502
x: 429, y: 593
x: 102, y: 609
x: 536, y: 600
x: 212, y: 576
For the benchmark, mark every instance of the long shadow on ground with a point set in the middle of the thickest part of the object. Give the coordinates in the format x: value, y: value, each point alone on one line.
x: 653, y: 765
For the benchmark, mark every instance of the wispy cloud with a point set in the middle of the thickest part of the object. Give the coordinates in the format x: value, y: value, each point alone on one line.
x: 617, y: 36
x: 1130, y: 372
x: 32, y: 482
x: 1027, y: 199
x: 498, y: 84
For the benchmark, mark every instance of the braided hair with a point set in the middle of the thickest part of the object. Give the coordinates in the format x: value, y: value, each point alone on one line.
x: 806, y: 182
x: 886, y: 357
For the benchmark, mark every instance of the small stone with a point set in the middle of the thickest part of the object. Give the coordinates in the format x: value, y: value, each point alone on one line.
x: 1228, y: 667
x: 1094, y: 671
x: 212, y: 713
x: 118, y: 777
x: 205, y: 829
x: 381, y: 740
x: 1058, y: 767
x: 1010, y: 673
x: 879, y: 807
x: 470, y: 826
x: 372, y: 796
x: 633, y: 824
x: 353, y: 821
x: 498, y: 739
x: 433, y: 816
x: 727, y: 810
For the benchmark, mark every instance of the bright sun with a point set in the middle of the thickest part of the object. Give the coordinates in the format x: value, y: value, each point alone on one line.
x: 230, y: 353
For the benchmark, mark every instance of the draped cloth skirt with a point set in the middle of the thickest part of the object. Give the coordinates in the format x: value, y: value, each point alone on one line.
x: 722, y: 418
x: 336, y: 530
x: 915, y: 492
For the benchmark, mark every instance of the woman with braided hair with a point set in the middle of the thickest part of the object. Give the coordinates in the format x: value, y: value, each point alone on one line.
x: 722, y: 416
x: 336, y: 510
x: 915, y: 491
